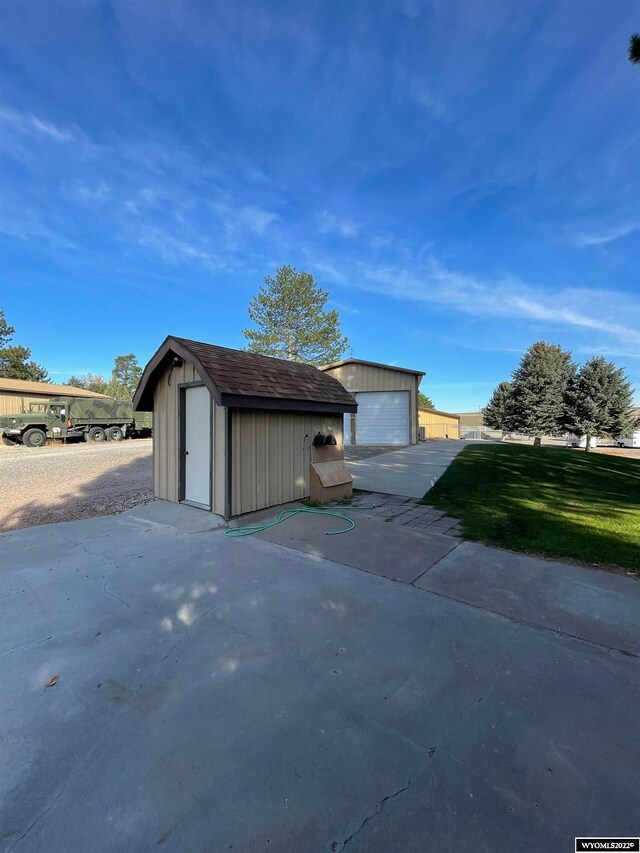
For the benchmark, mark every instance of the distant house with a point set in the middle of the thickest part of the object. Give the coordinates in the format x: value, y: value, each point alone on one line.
x: 17, y: 394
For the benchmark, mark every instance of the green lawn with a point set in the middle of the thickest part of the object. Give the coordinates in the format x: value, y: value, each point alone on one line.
x: 549, y: 501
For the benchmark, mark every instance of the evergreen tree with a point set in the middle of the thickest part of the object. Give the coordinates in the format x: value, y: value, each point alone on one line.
x: 634, y: 49
x: 497, y: 413
x: 598, y: 401
x: 15, y: 361
x: 124, y: 380
x: 90, y: 382
x: 292, y: 322
x: 537, y: 391
x: 125, y: 376
x: 424, y: 401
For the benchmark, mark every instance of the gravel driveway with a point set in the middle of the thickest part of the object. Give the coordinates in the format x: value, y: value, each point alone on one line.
x: 65, y: 483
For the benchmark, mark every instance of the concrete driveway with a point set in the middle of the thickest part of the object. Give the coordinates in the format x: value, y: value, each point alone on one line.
x: 219, y: 694
x: 410, y: 471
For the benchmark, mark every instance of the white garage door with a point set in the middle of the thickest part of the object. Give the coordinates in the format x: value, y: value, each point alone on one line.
x: 383, y: 417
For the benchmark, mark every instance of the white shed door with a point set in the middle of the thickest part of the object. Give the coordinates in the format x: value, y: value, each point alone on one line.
x: 197, y: 446
x: 346, y: 430
x: 383, y: 417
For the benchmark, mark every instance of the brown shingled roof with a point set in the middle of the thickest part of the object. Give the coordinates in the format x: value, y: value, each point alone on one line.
x: 248, y: 380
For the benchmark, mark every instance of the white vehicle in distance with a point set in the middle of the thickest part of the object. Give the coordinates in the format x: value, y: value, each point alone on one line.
x: 574, y: 441
x: 632, y: 440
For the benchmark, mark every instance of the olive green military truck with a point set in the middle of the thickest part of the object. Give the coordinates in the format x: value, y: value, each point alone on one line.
x: 90, y: 418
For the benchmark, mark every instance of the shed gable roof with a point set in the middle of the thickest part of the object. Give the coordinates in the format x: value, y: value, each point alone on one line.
x: 247, y: 380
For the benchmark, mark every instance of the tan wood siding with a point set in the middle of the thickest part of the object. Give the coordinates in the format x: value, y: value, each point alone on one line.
x: 439, y: 424
x: 366, y: 377
x: 166, y: 440
x: 17, y: 404
x: 271, y: 456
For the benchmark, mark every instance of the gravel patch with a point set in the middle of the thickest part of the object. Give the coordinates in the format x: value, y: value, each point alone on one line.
x: 69, y: 482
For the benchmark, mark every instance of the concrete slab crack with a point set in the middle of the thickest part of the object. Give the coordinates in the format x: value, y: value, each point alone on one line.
x: 338, y: 846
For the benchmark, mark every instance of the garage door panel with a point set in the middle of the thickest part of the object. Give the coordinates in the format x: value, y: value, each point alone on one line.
x: 383, y: 417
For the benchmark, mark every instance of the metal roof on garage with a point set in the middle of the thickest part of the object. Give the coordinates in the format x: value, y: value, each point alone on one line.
x: 438, y: 412
x: 43, y: 389
x: 370, y: 364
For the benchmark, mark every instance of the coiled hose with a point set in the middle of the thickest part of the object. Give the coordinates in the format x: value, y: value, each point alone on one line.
x: 235, y: 532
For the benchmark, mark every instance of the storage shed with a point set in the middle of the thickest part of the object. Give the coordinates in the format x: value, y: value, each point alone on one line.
x: 387, y: 398
x: 16, y: 395
x: 233, y: 429
x: 435, y: 424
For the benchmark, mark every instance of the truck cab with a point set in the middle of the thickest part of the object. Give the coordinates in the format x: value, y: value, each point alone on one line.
x: 30, y: 428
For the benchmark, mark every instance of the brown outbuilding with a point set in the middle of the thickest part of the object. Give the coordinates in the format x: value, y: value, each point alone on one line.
x: 233, y: 430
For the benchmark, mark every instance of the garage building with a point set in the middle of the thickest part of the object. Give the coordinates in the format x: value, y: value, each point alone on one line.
x: 233, y: 429
x: 17, y: 394
x: 435, y: 424
x: 387, y: 398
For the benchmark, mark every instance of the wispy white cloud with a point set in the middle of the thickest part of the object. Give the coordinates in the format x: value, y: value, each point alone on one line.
x: 25, y: 226
x: 90, y: 192
x: 344, y: 309
x: 72, y: 371
x: 605, y: 235
x: 174, y: 250
x: 329, y: 223
x: 255, y: 219
x: 29, y: 124
x: 432, y: 282
x: 424, y: 96
x: 611, y: 352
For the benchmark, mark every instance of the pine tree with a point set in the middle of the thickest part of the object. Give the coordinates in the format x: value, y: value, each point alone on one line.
x: 90, y: 382
x: 124, y: 380
x: 497, y: 414
x: 424, y: 401
x: 598, y: 400
x: 15, y: 360
x: 291, y: 320
x: 538, y: 387
x: 125, y: 376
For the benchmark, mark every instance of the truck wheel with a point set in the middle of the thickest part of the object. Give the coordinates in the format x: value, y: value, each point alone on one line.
x: 6, y: 440
x: 97, y: 434
x: 114, y: 433
x: 34, y: 438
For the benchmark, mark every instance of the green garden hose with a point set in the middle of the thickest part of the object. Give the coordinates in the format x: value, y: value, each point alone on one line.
x: 289, y: 513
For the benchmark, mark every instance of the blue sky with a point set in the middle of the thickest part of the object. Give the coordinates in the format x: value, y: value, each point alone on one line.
x: 462, y: 177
